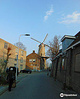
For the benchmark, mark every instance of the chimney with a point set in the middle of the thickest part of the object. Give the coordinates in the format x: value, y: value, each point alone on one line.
x: 33, y: 51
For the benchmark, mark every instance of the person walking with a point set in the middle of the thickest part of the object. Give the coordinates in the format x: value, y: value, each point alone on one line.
x: 11, y: 78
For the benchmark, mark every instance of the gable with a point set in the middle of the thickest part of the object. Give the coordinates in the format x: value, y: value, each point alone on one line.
x: 33, y: 55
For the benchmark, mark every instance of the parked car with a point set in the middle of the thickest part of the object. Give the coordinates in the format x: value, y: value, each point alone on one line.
x: 26, y: 71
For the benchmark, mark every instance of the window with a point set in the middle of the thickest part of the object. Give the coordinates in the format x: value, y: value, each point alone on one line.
x: 63, y: 63
x: 30, y: 60
x: 59, y: 63
x: 5, y: 45
x: 34, y: 60
x: 77, y: 63
x: 15, y: 65
x: 31, y: 64
x: 21, y: 60
x: 22, y: 53
x: 16, y: 58
x: 21, y: 67
x: 16, y: 50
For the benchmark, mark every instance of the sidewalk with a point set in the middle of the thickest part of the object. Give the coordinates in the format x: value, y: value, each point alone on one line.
x: 5, y: 87
x: 65, y: 93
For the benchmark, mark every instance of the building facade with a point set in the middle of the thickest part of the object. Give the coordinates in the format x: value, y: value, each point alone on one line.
x: 12, y: 61
x: 66, y: 65
x: 33, y: 61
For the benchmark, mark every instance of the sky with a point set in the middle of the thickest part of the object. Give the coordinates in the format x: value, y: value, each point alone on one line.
x: 37, y: 18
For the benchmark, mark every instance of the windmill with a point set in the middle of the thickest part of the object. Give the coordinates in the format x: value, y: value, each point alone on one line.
x: 41, y: 51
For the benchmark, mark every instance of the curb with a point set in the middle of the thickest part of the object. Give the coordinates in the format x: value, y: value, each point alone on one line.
x: 4, y: 89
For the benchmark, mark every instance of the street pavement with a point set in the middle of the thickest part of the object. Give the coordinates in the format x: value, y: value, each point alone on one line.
x: 37, y: 86
x: 3, y: 88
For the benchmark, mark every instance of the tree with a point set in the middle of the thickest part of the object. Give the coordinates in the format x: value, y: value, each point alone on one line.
x: 20, y: 45
x: 3, y: 74
x: 4, y: 60
x: 54, y: 47
x: 8, y: 54
x: 2, y: 65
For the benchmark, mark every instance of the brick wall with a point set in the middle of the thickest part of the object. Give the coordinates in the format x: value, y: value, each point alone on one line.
x: 71, y: 72
x: 33, y: 61
x: 13, y: 52
x: 76, y: 69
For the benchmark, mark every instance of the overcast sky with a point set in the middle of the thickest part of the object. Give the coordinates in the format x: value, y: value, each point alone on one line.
x: 38, y: 17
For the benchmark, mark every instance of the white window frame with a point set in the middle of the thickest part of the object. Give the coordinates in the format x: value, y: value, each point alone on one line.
x: 5, y: 45
x: 34, y: 60
x: 30, y: 60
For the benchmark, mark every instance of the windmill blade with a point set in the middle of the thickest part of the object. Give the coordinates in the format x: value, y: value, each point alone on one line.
x: 48, y: 46
x: 35, y: 40
x: 45, y: 38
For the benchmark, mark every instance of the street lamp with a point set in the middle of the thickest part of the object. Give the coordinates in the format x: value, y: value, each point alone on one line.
x: 18, y: 52
x: 27, y: 34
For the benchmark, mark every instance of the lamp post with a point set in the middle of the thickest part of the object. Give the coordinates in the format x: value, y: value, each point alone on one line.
x: 18, y: 52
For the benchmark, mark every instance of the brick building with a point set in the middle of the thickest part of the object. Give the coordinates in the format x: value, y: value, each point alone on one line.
x: 13, y: 57
x: 33, y: 61
x: 66, y: 65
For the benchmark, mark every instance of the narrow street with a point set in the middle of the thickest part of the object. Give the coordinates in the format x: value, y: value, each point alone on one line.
x: 35, y: 86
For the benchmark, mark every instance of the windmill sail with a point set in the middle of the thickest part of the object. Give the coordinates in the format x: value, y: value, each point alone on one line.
x: 35, y: 40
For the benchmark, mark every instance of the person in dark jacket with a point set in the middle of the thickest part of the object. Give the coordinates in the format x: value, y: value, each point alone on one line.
x: 11, y: 78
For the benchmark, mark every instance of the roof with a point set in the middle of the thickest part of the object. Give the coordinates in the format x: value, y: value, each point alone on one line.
x: 74, y: 43
x: 11, y: 44
x: 77, y: 38
x: 33, y: 53
x: 68, y: 37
